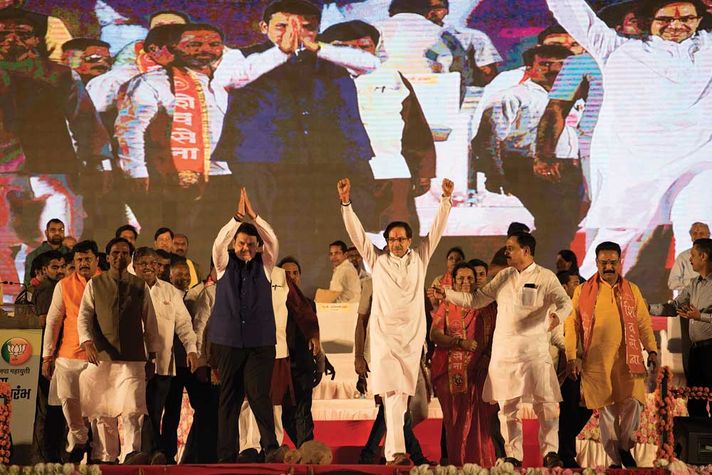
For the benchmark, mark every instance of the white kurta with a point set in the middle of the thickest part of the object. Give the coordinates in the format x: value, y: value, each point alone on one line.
x: 405, y: 37
x: 203, y: 309
x: 521, y: 365
x: 491, y: 93
x: 173, y: 319
x: 397, y: 325
x: 345, y: 281
x: 380, y: 103
x: 653, y: 134
x: 280, y: 291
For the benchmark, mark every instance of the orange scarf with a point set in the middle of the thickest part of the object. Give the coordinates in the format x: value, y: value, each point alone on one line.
x: 190, y: 136
x: 446, y: 280
x: 457, y: 320
x: 143, y: 60
x: 625, y: 300
x: 72, y: 291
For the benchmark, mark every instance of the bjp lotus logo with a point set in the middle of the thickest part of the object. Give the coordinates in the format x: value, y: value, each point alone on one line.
x: 16, y: 351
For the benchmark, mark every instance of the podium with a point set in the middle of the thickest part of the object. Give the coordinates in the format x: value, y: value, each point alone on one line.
x: 337, y: 322
x: 20, y: 366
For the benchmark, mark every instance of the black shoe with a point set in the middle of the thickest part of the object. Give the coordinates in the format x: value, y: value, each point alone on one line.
x: 249, y: 456
x: 615, y: 466
x: 159, y: 458
x: 513, y: 461
x: 366, y: 457
x: 552, y: 460
x: 137, y: 458
x: 422, y: 460
x: 76, y: 455
x: 627, y: 459
x: 571, y: 463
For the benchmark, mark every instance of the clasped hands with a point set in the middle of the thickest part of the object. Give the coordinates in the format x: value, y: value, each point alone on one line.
x: 244, y: 207
x: 295, y: 37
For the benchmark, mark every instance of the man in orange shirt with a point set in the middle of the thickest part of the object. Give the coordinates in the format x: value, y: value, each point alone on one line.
x: 64, y: 360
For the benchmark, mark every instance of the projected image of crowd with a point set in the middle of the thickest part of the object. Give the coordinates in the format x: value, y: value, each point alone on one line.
x: 241, y: 154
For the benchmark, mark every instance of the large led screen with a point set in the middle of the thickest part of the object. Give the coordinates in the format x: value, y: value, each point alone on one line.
x: 584, y: 121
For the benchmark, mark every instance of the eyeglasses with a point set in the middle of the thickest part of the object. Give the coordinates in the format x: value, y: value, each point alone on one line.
x: 399, y: 240
x: 685, y: 20
x: 96, y: 58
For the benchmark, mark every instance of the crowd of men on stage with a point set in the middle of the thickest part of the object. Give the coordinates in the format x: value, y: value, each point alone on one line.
x: 129, y: 329
x: 182, y: 119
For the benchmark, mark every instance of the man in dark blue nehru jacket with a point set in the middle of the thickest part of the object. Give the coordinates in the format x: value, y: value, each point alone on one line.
x: 242, y: 329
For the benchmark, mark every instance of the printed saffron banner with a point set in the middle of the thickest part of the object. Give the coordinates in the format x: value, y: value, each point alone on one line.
x: 19, y: 367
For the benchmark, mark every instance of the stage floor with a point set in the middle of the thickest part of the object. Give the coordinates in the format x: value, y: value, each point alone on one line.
x: 279, y: 469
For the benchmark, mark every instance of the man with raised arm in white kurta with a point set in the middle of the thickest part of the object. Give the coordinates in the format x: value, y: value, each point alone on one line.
x: 653, y: 134
x: 397, y: 324
x: 528, y: 296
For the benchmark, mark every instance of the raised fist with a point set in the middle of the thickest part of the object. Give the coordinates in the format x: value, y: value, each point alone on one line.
x: 448, y: 186
x: 344, y: 188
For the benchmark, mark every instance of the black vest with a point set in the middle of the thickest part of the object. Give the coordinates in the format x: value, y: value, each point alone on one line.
x: 243, y: 316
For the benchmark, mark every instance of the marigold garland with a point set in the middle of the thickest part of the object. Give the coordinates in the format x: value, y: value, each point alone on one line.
x: 665, y: 396
x: 5, y: 413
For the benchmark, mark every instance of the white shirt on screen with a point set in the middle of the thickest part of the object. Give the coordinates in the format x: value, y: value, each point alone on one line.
x: 516, y: 116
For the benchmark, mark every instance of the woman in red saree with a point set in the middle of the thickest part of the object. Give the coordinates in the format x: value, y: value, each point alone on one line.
x: 454, y: 256
x: 463, y: 339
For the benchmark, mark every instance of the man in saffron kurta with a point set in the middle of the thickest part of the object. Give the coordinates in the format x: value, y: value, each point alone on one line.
x: 611, y: 320
x: 64, y: 362
x: 397, y: 322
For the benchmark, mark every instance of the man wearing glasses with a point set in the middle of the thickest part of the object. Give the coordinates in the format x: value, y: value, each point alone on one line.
x: 88, y: 57
x: 652, y: 137
x: 397, y: 322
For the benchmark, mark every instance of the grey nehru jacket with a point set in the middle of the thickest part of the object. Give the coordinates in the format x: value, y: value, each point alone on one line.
x: 118, y: 330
